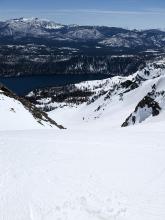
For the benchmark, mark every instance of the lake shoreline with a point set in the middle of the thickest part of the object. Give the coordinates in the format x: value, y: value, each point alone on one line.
x: 21, y: 85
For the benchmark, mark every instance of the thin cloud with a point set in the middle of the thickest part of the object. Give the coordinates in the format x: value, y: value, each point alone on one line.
x: 92, y: 11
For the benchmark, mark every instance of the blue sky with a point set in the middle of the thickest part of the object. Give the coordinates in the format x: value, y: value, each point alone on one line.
x: 139, y: 14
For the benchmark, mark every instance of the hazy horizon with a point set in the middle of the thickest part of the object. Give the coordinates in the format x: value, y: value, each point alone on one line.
x: 130, y: 14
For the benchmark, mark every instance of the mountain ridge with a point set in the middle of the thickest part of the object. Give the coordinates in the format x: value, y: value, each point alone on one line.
x: 35, y: 27
x: 121, y: 100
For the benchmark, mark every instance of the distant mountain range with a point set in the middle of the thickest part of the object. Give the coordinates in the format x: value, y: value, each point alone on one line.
x: 107, y: 36
x: 34, y: 46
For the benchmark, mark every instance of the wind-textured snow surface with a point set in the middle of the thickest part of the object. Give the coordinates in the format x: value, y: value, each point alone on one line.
x: 95, y: 169
x: 87, y: 172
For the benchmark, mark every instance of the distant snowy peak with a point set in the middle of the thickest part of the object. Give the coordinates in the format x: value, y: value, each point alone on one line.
x: 25, y: 27
x: 35, y: 23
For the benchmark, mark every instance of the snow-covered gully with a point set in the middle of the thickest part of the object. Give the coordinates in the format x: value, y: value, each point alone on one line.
x: 95, y: 169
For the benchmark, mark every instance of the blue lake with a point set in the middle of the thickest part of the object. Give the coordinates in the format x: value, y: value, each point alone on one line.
x: 23, y: 84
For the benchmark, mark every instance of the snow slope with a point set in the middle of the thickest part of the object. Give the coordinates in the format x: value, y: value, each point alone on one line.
x: 95, y: 169
x: 18, y: 114
x: 83, y: 173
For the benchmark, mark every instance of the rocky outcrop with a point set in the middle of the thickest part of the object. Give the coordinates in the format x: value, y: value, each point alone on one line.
x: 146, y: 107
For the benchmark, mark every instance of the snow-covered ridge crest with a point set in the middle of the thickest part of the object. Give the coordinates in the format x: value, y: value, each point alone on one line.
x: 35, y: 27
x: 34, y: 22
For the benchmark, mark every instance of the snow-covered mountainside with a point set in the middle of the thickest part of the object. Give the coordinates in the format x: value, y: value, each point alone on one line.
x: 95, y: 169
x: 18, y: 114
x: 27, y: 27
x: 34, y: 27
x: 123, y: 100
